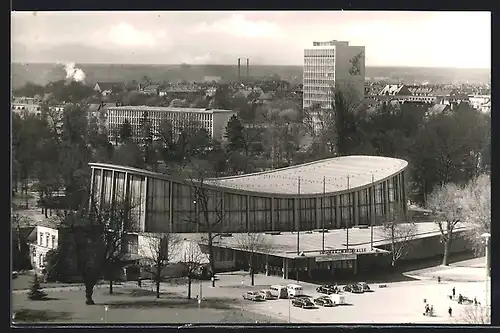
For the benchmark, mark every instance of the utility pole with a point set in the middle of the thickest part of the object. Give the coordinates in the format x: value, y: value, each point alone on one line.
x: 372, y: 211
x: 298, y: 218
x: 323, y: 215
x: 350, y: 213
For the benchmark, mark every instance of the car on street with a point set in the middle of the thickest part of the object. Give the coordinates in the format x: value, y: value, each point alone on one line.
x: 324, y: 301
x: 268, y: 294
x: 254, y: 296
x: 364, y: 286
x: 353, y: 288
x: 325, y: 289
x: 303, y: 302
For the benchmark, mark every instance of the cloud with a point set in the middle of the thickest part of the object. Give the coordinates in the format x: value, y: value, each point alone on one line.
x: 238, y: 26
x: 125, y: 34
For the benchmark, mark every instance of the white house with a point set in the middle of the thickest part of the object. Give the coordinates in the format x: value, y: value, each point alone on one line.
x: 42, y: 240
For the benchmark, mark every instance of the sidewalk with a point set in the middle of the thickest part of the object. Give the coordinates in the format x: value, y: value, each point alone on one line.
x: 464, y: 271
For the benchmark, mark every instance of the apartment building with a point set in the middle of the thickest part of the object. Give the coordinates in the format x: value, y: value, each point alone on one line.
x: 332, y: 65
x: 30, y: 105
x: 214, y: 120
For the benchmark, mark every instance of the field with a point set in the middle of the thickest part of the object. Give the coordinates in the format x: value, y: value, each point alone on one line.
x: 42, y: 73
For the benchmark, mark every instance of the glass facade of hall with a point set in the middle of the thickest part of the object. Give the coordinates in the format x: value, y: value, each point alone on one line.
x: 162, y: 205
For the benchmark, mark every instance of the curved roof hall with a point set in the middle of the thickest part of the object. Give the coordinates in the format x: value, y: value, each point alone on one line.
x: 340, y: 173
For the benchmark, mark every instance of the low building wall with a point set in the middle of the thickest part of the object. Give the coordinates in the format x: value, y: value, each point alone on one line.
x: 429, y: 247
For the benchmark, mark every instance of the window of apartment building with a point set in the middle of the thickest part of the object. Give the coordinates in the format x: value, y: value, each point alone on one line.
x: 47, y: 237
x: 40, y: 240
x: 40, y: 260
x: 53, y: 242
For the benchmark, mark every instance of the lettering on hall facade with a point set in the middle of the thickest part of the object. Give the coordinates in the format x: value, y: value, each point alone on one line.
x: 343, y: 251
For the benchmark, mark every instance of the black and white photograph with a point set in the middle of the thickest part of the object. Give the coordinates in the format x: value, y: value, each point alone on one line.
x: 250, y: 167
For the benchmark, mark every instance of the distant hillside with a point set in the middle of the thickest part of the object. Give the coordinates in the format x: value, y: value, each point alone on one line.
x: 42, y: 73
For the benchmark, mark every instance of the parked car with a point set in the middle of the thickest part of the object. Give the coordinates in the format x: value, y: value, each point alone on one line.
x: 279, y: 291
x: 325, y: 290
x: 353, y: 288
x: 267, y: 293
x: 324, y: 301
x: 294, y: 290
x: 338, y: 299
x: 254, y: 296
x: 303, y: 302
x: 364, y: 286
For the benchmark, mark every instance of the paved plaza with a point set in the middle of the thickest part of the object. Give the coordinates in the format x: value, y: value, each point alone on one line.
x: 397, y: 303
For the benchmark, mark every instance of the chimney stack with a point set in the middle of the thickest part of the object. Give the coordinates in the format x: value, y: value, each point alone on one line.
x: 248, y: 69
x: 239, y: 69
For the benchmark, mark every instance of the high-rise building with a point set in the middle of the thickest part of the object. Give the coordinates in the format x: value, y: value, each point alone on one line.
x: 332, y: 65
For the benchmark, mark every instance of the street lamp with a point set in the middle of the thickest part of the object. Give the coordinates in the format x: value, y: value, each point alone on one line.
x: 289, y: 306
x: 486, y: 237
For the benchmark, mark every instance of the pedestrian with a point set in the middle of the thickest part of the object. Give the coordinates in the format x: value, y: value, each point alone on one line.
x: 439, y: 279
x: 450, y: 311
x: 425, y: 300
x: 475, y: 301
x: 453, y: 292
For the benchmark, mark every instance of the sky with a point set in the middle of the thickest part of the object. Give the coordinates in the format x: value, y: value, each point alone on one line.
x: 413, y: 39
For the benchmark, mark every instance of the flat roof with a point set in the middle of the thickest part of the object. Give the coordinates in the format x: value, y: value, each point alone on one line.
x: 167, y: 109
x: 341, y: 174
x: 285, y: 244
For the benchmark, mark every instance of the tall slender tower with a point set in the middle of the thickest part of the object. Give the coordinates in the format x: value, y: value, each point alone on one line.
x: 248, y: 69
x: 239, y: 69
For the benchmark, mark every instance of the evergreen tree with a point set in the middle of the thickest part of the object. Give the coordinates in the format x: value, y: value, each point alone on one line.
x: 36, y: 293
x: 234, y: 134
x: 125, y: 131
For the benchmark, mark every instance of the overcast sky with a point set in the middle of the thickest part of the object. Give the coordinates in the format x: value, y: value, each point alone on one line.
x: 427, y: 39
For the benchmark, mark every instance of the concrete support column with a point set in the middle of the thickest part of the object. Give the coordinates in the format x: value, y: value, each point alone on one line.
x: 356, y: 207
x: 273, y: 222
x: 92, y: 185
x: 285, y: 268
x: 101, y: 190
x: 247, y: 213
x: 355, y: 266
x: 267, y: 265
x: 386, y: 198
x: 310, y: 265
x: 319, y: 213
x: 296, y: 213
x: 337, y: 212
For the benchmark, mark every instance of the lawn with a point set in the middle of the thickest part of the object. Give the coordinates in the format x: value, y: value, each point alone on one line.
x: 129, y: 305
x: 24, y: 281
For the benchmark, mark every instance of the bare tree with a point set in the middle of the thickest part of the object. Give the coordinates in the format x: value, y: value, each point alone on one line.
x: 447, y: 203
x: 159, y: 251
x: 476, y: 315
x: 253, y: 243
x: 477, y: 210
x: 210, y: 215
x: 192, y: 260
x: 400, y: 232
x: 97, y: 233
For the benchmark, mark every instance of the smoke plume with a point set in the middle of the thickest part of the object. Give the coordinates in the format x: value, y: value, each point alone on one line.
x: 73, y: 73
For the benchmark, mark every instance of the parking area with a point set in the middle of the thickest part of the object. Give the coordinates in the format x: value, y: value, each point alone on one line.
x: 397, y: 303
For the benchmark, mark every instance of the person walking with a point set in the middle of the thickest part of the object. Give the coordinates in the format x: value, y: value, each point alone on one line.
x: 450, y: 311
x: 453, y: 292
